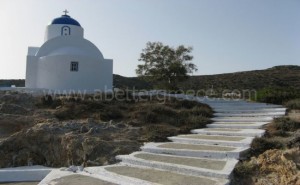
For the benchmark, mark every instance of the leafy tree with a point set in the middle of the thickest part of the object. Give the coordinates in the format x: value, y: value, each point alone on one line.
x: 165, y: 65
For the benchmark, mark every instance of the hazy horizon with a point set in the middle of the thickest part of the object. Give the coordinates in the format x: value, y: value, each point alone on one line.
x: 227, y: 35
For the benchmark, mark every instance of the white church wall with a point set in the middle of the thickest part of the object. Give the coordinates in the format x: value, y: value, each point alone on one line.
x: 31, y: 71
x: 32, y: 51
x: 57, y: 30
x: 63, y: 45
x: 54, y: 73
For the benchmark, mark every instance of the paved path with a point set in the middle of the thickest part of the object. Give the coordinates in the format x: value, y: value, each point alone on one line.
x: 206, y: 156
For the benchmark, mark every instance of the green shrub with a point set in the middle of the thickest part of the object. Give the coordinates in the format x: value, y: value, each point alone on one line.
x: 293, y: 104
x: 47, y: 100
x: 244, y: 169
x: 189, y: 122
x: 65, y: 113
x: 154, y: 113
x: 260, y: 145
x: 193, y: 122
x: 186, y: 104
x: 197, y: 120
x: 277, y: 95
x: 111, y: 114
x: 281, y: 133
x: 95, y: 105
x: 286, y: 124
x: 150, y: 117
x: 201, y: 111
x: 161, y: 109
x: 158, y: 133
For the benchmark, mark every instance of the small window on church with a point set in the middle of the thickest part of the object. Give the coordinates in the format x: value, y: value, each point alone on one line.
x: 74, y: 66
x: 65, y: 30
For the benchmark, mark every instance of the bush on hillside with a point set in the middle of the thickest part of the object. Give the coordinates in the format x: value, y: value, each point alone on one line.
x: 293, y: 104
x: 277, y: 95
x: 260, y: 145
x: 286, y: 124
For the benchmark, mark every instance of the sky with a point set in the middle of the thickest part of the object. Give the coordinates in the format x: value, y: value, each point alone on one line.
x: 226, y: 35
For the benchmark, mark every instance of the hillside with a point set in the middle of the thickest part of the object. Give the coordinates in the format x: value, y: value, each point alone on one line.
x: 130, y: 82
x: 8, y: 83
x: 118, y: 81
x: 278, y: 76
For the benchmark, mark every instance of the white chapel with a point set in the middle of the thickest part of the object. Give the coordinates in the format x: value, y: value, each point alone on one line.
x: 67, y: 61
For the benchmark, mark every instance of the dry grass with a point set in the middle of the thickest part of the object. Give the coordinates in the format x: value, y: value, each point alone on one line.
x: 90, y: 131
x: 294, y: 115
x: 158, y: 119
x: 282, y: 136
x: 293, y: 104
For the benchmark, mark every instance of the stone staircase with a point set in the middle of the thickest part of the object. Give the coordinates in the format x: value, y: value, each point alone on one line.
x: 206, y: 156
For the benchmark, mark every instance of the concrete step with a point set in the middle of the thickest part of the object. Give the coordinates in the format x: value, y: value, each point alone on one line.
x: 90, y: 175
x: 236, y: 125
x: 246, y: 106
x: 234, y: 110
x: 230, y: 132
x: 208, y: 100
x: 235, y: 141
x: 241, y: 122
x: 196, y: 150
x: 242, y: 119
x: 218, y: 168
x: 157, y: 176
x: 237, y: 114
x: 236, y: 103
x: 24, y: 173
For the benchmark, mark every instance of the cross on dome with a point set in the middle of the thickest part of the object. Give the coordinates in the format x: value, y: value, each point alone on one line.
x: 66, y: 11
x: 65, y: 19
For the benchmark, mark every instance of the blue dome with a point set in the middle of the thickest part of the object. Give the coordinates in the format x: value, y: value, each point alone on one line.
x: 65, y: 19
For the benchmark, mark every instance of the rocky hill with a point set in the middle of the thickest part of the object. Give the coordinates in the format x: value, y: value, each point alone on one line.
x: 130, y: 83
x: 278, y: 76
x: 118, y: 81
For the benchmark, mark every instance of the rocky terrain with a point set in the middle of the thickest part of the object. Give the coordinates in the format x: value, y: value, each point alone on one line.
x: 275, y: 158
x: 64, y: 131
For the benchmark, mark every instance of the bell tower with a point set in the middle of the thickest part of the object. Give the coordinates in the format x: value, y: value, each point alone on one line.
x: 63, y: 26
